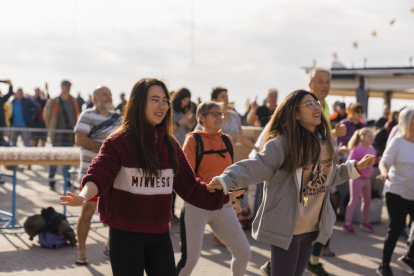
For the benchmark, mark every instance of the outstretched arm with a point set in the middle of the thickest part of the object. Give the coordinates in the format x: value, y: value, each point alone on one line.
x: 88, y: 191
x: 253, y: 171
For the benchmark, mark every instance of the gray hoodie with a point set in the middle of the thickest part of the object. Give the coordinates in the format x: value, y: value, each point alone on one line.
x: 276, y: 218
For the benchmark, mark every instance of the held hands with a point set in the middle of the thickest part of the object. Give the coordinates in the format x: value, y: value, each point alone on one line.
x: 214, y: 185
x: 72, y: 199
x: 366, y: 162
x: 340, y: 130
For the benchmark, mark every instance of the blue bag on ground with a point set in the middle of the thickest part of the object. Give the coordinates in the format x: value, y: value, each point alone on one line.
x: 50, y: 240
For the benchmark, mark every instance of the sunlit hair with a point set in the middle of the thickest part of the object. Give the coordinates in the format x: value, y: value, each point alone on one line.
x: 204, y: 108
x: 313, y: 72
x: 405, y: 119
x: 393, y: 117
x: 216, y: 92
x: 358, y: 134
x: 177, y: 97
x: 135, y: 125
x: 304, y: 147
x: 353, y: 107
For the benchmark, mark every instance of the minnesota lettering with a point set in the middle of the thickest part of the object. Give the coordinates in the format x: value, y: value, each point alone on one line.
x: 150, y: 182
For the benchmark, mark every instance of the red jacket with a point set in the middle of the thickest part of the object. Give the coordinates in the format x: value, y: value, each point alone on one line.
x: 129, y: 201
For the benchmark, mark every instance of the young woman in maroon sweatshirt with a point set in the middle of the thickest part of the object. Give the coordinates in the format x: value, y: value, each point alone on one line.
x: 134, y: 175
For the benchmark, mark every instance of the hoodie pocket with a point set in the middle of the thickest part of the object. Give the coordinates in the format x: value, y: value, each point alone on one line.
x: 330, y: 218
x: 275, y: 220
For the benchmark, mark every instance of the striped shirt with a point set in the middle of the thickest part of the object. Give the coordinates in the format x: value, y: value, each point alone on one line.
x: 98, y: 127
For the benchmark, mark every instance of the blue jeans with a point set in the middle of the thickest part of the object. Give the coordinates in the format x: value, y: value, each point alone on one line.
x: 53, y: 169
x: 52, y: 172
x: 25, y: 137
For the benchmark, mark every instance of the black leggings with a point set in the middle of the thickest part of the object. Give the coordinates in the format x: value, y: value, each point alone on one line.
x: 130, y: 253
x: 398, y: 208
x: 292, y: 262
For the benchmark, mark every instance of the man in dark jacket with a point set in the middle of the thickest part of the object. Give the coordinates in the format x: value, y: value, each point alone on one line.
x: 39, y: 122
x: 25, y: 111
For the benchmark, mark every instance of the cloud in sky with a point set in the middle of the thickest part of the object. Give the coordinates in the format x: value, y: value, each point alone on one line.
x: 243, y: 45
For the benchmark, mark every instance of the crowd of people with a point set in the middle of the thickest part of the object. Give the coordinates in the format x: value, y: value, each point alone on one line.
x: 136, y: 157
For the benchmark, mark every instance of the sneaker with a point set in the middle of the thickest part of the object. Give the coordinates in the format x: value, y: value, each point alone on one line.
x: 318, y: 269
x: 52, y: 185
x: 265, y: 269
x: 216, y: 240
x: 348, y: 228
x: 404, y: 234
x: 408, y: 264
x: 384, y: 270
x: 367, y: 227
x: 327, y: 252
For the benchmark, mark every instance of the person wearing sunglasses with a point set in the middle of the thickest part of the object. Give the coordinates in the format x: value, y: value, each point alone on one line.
x: 216, y: 157
x: 134, y: 174
x: 298, y: 165
x: 354, y: 122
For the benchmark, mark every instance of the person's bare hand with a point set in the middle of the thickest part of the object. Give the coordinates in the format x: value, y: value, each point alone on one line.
x: 237, y: 208
x: 383, y: 177
x: 343, y: 149
x: 214, y: 185
x: 340, y: 130
x: 368, y: 160
x: 184, y: 121
x: 72, y: 199
x: 234, y: 195
x: 9, y: 82
x: 255, y: 105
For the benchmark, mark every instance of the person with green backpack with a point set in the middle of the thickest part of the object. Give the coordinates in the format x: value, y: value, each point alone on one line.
x: 209, y: 152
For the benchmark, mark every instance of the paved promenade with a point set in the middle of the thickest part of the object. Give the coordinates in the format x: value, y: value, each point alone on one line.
x: 356, y: 254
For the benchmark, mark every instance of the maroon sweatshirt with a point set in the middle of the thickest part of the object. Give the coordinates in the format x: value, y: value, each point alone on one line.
x: 129, y: 201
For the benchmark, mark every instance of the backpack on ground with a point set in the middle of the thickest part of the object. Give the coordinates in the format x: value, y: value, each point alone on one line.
x: 52, y: 241
x: 34, y: 225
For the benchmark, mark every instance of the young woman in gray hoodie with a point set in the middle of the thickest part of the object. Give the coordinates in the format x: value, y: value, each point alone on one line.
x: 298, y: 167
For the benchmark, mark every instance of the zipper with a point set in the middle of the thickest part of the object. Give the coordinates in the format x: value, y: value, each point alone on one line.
x: 156, y: 136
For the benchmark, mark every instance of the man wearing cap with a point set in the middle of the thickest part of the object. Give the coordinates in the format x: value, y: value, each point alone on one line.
x: 61, y: 113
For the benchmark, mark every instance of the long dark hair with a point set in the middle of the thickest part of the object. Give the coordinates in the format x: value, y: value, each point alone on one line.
x: 135, y: 125
x: 304, y: 146
x: 177, y: 97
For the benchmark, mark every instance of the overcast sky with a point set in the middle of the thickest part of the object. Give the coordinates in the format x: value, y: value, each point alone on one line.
x: 245, y: 46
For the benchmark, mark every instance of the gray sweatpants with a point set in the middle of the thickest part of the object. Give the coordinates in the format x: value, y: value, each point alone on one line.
x: 225, y: 226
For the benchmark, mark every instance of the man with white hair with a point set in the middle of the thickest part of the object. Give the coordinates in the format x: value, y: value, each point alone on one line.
x: 92, y: 128
x: 320, y: 85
